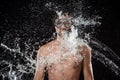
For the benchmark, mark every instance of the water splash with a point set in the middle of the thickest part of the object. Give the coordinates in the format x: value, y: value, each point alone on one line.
x: 106, y: 56
x: 15, y: 64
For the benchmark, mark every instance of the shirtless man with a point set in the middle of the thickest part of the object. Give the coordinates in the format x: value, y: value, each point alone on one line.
x: 60, y: 61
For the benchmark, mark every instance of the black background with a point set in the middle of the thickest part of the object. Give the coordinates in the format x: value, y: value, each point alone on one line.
x: 108, y: 32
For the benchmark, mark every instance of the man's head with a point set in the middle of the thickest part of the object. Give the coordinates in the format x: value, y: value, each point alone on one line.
x: 62, y: 22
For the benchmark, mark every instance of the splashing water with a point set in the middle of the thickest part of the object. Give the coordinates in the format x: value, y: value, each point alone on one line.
x: 18, y: 56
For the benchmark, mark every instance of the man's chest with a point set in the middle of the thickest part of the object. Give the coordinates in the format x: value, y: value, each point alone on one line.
x: 64, y: 58
x: 64, y: 64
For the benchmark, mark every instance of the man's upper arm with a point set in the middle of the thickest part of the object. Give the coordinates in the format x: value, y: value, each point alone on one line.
x: 41, y: 64
x: 87, y: 64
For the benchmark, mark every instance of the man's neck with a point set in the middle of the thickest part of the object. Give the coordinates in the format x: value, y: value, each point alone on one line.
x: 59, y: 38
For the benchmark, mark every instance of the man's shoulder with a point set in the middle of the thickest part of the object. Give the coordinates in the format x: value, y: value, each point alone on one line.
x: 85, y: 49
x: 47, y: 45
x: 44, y: 49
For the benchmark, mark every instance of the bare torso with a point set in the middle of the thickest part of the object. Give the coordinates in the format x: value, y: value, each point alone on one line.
x: 62, y: 63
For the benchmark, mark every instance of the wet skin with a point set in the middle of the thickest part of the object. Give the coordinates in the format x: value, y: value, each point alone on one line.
x: 66, y: 69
